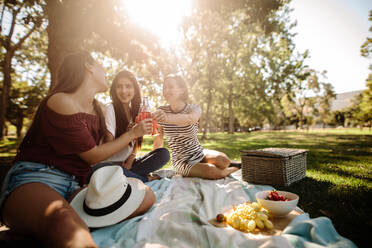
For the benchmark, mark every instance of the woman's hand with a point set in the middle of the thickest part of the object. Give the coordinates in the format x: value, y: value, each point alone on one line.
x: 127, y: 164
x: 130, y: 126
x: 142, y: 128
x: 159, y: 116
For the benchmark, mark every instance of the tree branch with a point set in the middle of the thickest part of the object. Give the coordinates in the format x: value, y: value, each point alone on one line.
x: 15, y: 12
x: 19, y: 43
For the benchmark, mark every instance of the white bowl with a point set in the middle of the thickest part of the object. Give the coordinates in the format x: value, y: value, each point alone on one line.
x: 278, y: 208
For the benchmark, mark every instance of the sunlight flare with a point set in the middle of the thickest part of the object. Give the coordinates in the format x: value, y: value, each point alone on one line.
x: 161, y: 17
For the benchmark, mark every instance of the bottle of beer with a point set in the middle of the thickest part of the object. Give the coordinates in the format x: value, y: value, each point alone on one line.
x: 146, y: 113
x: 145, y: 109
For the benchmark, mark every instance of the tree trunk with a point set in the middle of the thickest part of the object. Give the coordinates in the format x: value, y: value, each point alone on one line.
x: 63, y: 36
x: 206, y: 117
x: 231, y: 113
x: 19, y: 124
x: 5, y: 92
x: 55, y: 48
x: 222, y: 116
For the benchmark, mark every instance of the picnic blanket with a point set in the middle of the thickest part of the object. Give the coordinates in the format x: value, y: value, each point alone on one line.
x: 179, y: 218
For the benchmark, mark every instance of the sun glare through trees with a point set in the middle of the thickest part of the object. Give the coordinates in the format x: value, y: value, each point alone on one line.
x: 162, y: 17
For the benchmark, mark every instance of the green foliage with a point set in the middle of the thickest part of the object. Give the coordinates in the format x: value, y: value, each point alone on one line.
x: 19, y: 20
x: 366, y: 103
x: 23, y: 102
x: 366, y: 48
x: 363, y: 112
x: 231, y: 56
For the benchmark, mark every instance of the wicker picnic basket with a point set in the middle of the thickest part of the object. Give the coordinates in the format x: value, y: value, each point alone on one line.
x: 273, y: 166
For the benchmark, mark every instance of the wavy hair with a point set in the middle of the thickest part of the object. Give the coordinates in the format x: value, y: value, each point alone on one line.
x: 121, y: 119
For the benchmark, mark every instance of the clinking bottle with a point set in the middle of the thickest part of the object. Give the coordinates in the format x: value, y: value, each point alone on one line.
x: 146, y: 113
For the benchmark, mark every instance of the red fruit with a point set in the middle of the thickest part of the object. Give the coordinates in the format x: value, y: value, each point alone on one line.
x: 282, y: 198
x: 220, y: 218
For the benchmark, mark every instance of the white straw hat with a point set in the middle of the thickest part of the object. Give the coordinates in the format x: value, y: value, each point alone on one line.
x: 109, y: 198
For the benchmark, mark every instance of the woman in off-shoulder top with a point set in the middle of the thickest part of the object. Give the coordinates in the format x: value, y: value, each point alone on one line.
x: 54, y: 159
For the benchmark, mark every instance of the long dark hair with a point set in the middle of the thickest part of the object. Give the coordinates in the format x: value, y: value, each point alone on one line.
x: 121, y: 119
x: 71, y: 74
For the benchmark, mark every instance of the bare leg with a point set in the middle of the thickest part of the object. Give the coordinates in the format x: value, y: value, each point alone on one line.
x: 210, y: 171
x: 146, y: 204
x: 36, y: 209
x: 219, y: 159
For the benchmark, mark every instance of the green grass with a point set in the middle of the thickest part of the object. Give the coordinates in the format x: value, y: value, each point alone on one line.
x: 338, y: 181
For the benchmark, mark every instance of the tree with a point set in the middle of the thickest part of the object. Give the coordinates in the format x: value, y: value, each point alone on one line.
x: 366, y: 103
x: 26, y: 16
x: 23, y: 102
x: 366, y: 98
x: 219, y: 39
x: 366, y: 48
x: 324, y: 103
x: 96, y: 25
x: 30, y: 80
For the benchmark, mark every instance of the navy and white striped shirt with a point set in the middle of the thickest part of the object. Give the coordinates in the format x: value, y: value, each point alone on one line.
x: 183, y: 141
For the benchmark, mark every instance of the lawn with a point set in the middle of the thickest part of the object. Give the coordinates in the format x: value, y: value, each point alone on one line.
x: 338, y: 181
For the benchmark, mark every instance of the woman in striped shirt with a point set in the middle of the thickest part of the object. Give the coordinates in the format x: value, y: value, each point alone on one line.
x: 179, y: 123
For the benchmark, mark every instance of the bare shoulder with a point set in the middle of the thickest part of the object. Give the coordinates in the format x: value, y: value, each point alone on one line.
x: 104, y: 107
x: 62, y: 103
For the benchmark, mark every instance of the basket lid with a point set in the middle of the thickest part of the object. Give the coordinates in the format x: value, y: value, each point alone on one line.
x: 273, y: 152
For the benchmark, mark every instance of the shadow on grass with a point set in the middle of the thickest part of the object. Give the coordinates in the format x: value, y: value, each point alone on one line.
x: 347, y: 207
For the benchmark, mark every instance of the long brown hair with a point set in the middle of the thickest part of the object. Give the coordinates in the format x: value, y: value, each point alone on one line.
x: 121, y: 119
x: 71, y: 74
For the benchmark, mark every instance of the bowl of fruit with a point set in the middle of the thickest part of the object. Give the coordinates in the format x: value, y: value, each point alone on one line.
x: 278, y: 203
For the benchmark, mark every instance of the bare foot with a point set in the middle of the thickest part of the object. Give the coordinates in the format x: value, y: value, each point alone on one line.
x: 152, y: 177
x: 229, y: 170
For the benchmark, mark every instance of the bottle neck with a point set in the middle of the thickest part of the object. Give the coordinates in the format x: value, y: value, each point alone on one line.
x: 145, y: 105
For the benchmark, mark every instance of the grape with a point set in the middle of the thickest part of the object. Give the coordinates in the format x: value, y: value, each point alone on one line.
x: 247, y: 216
x: 251, y: 225
x: 268, y: 224
x: 255, y: 206
x: 259, y: 223
x: 262, y: 216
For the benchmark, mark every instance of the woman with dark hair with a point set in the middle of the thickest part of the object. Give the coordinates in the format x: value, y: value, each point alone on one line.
x: 120, y: 118
x: 179, y: 122
x: 54, y: 159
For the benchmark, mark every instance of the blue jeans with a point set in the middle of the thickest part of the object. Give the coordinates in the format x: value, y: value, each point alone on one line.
x: 144, y: 165
x: 23, y: 172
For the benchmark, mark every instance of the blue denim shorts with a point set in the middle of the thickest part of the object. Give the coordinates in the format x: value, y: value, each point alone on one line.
x: 23, y: 172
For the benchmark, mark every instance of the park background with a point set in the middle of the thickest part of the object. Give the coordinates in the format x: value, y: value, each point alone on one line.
x: 257, y: 88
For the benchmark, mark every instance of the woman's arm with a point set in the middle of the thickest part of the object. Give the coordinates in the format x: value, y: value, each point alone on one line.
x: 159, y: 140
x: 106, y: 150
x: 179, y: 119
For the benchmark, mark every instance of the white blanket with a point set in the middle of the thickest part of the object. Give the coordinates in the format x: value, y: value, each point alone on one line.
x: 179, y: 218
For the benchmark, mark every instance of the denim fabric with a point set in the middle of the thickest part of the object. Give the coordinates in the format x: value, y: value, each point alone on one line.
x: 24, y: 172
x: 150, y: 162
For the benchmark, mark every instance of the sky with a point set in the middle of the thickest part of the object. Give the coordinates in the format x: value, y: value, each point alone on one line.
x: 333, y: 32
